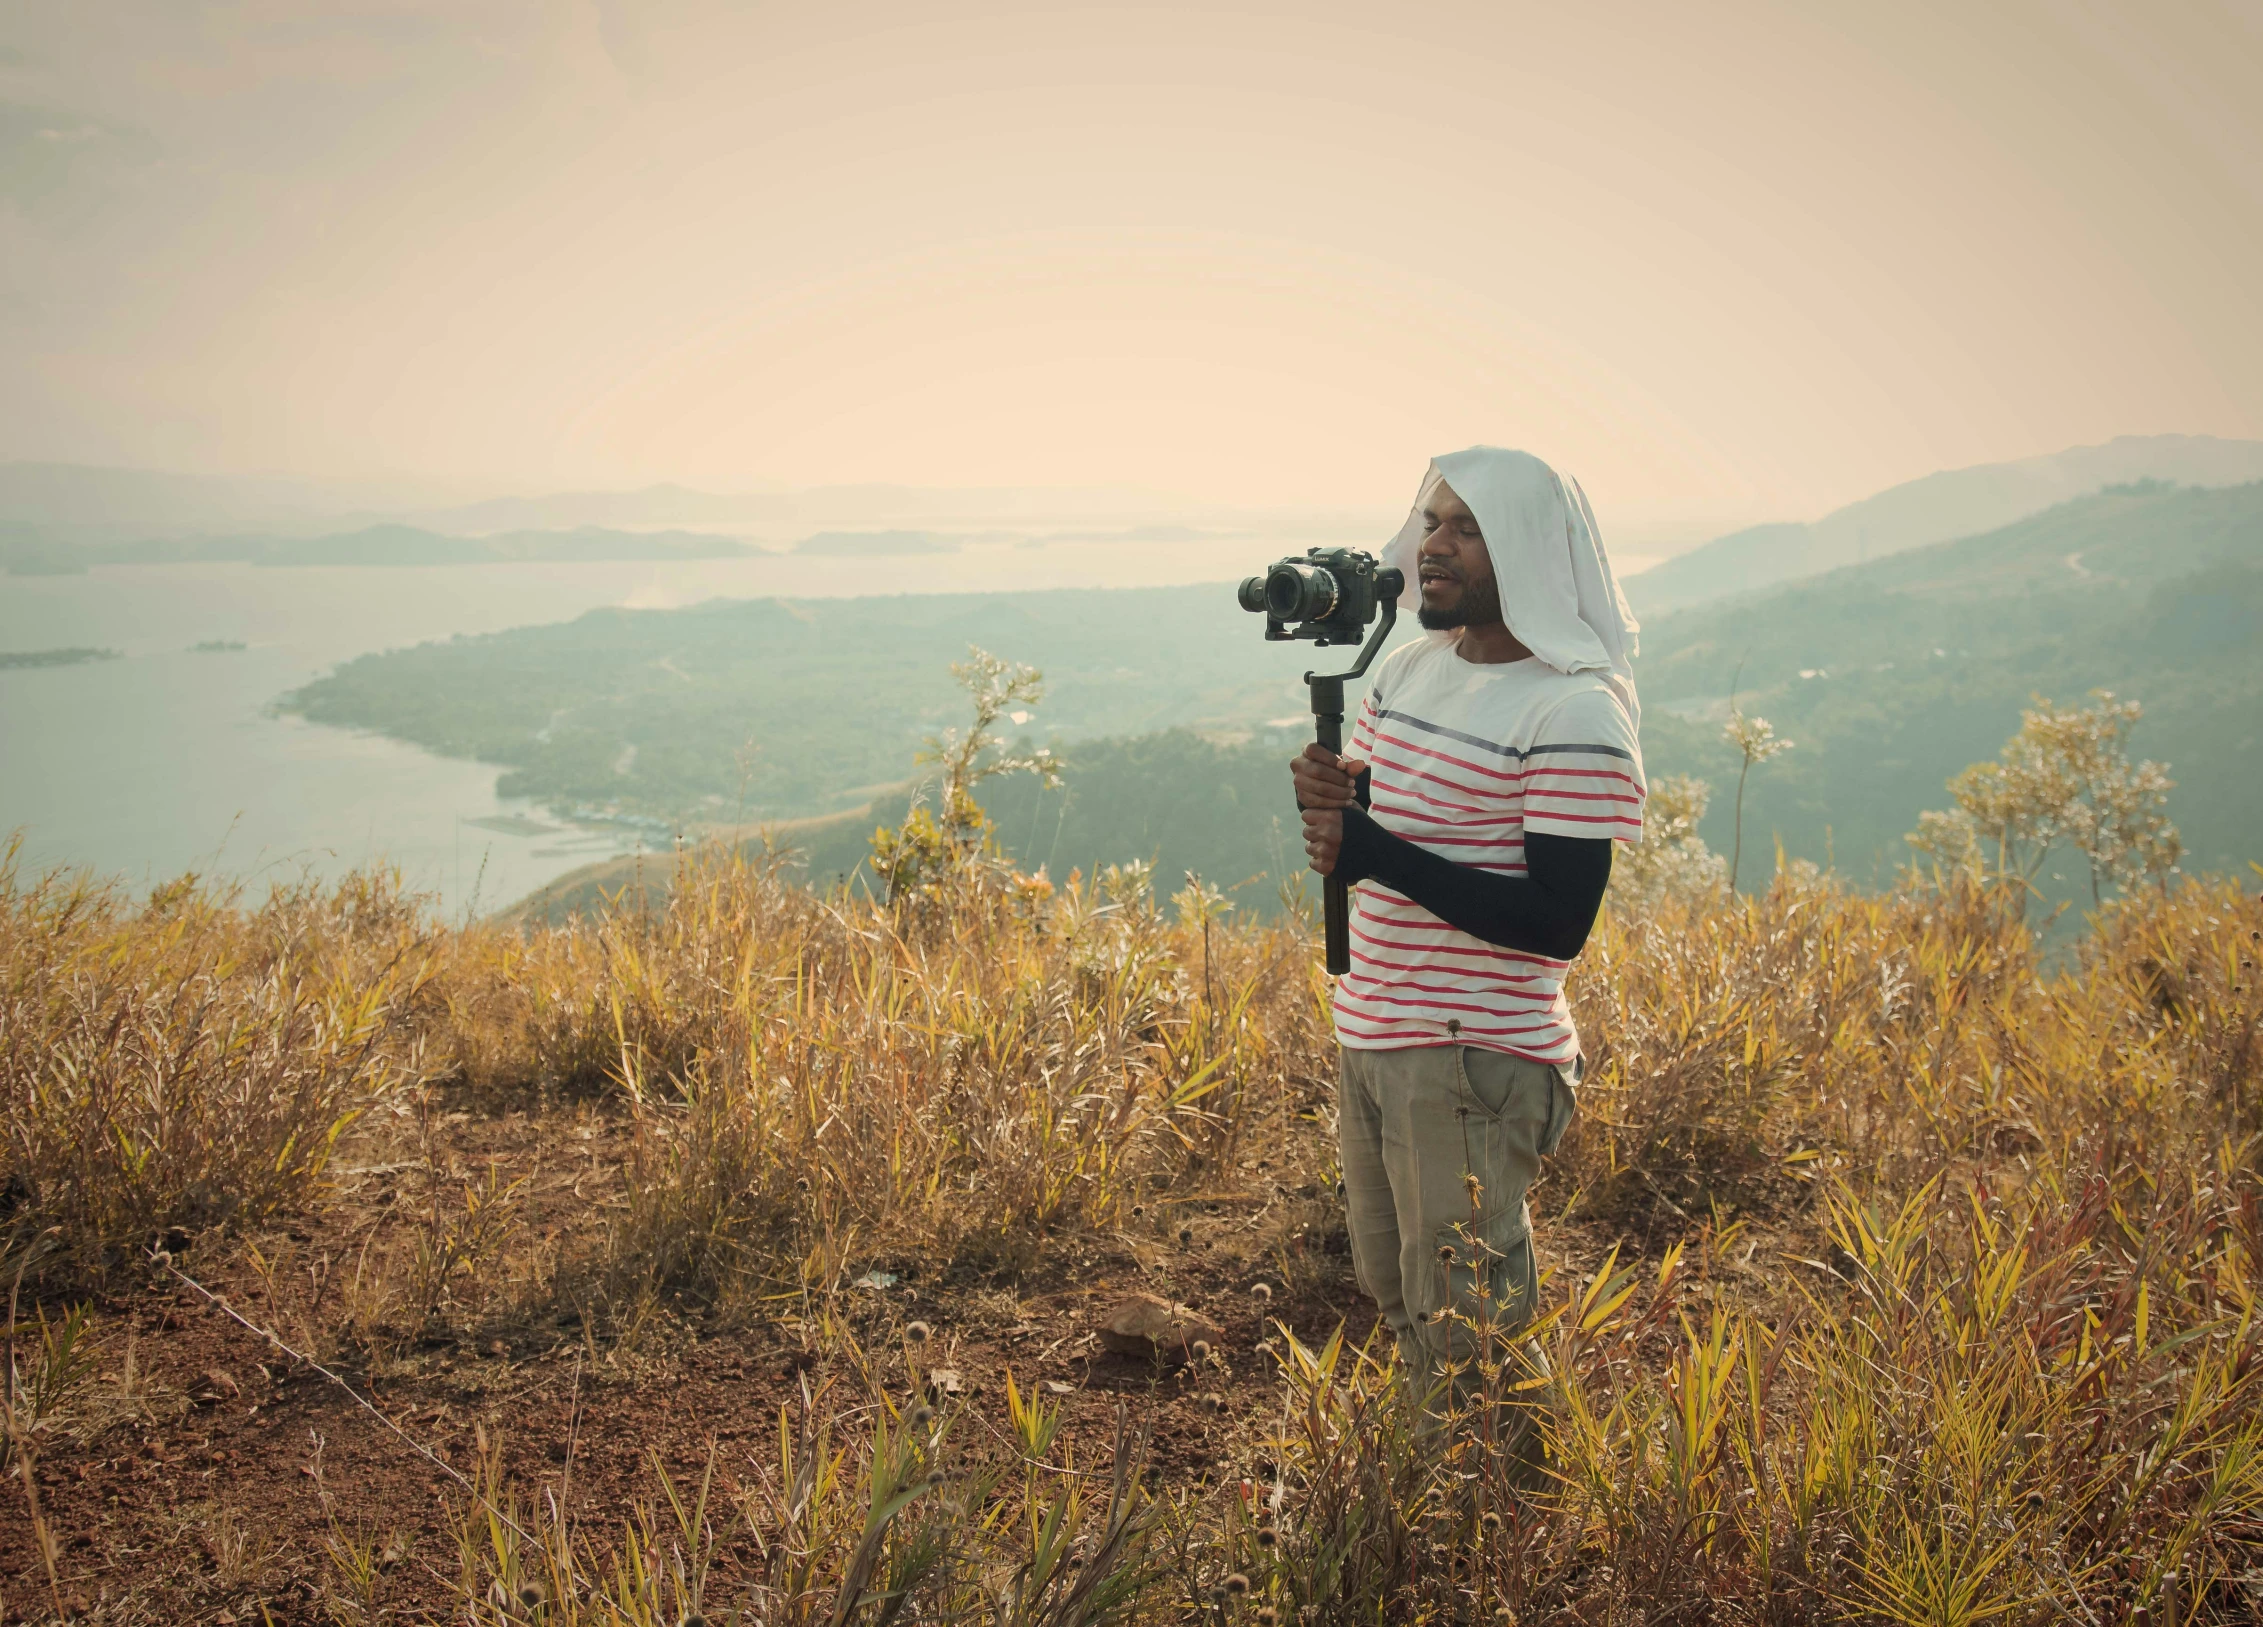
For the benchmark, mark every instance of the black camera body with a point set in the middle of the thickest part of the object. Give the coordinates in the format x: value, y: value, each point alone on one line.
x: 1328, y: 595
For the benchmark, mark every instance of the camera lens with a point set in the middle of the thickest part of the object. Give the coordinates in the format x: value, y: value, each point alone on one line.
x: 1296, y: 592
x: 1252, y: 593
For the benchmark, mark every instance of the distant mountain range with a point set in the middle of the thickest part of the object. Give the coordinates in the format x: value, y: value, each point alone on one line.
x: 47, y: 506
x: 50, y: 511
x: 862, y: 544
x: 1937, y: 508
x: 371, y: 545
x: 410, y: 545
x: 873, y: 544
x: 72, y: 502
x: 100, y: 502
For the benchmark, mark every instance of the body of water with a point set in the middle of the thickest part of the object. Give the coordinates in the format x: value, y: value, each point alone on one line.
x: 170, y: 760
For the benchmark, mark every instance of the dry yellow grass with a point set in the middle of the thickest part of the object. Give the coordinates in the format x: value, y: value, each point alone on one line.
x: 1932, y: 1297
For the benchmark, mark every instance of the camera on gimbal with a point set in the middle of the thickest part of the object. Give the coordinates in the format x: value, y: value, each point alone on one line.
x: 1328, y: 595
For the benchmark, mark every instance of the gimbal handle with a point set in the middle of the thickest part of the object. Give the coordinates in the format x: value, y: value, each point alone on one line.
x: 1328, y: 726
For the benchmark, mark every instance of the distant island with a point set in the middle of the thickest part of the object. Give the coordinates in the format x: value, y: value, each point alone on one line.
x: 218, y: 646
x: 372, y: 545
x: 39, y: 560
x: 410, y: 545
x: 873, y: 544
x: 71, y: 657
x: 869, y: 544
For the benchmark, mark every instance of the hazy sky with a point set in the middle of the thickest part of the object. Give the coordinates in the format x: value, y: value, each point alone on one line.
x: 1724, y: 261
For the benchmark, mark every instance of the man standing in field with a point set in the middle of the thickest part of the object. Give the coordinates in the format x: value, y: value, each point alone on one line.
x: 1494, y: 763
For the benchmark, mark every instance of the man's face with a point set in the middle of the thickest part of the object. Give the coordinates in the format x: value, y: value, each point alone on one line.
x: 1452, y: 567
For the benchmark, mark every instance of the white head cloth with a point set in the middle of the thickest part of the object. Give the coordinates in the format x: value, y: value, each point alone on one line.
x: 1557, y: 591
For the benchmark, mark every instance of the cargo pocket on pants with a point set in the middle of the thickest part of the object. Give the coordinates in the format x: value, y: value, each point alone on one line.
x: 1484, y: 1283
x: 1563, y: 1102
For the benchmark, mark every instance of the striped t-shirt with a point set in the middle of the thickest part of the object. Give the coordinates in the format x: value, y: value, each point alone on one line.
x: 1467, y: 757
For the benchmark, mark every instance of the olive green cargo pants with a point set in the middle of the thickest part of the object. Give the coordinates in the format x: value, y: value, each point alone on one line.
x: 1439, y: 1144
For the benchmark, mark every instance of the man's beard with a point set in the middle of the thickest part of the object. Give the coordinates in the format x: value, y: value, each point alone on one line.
x: 1479, y: 607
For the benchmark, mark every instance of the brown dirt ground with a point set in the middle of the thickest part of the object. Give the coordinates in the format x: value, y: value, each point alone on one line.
x: 214, y: 1501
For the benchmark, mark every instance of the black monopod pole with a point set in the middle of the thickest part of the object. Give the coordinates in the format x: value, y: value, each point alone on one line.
x: 1335, y: 897
x: 1328, y: 725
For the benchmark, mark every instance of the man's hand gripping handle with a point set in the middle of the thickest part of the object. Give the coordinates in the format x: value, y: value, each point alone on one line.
x: 1326, y: 785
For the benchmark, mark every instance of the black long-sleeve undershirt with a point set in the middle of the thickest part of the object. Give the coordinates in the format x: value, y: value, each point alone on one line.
x: 1549, y: 910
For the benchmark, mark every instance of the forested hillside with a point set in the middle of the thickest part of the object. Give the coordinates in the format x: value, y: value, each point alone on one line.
x: 782, y: 709
x: 1890, y: 677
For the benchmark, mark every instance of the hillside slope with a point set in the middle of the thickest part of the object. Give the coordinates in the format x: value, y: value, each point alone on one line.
x: 1936, y: 508
x: 1172, y: 799
x: 1891, y: 676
